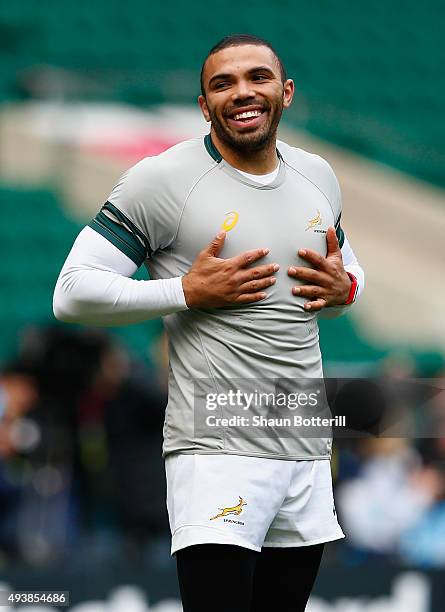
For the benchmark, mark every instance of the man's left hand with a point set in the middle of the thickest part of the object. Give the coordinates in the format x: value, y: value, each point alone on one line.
x: 326, y: 283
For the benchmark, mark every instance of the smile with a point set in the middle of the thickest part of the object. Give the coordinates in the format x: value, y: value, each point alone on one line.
x: 247, y: 119
x: 247, y: 115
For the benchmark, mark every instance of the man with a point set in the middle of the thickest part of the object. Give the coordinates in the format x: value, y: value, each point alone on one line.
x: 249, y: 515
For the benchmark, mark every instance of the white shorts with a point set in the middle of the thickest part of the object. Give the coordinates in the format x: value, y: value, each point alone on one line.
x: 249, y: 501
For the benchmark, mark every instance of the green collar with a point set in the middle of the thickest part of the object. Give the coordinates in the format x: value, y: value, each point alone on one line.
x: 213, y: 151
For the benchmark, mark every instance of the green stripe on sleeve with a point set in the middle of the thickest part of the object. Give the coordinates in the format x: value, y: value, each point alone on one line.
x: 124, y: 219
x: 340, y: 233
x: 122, y: 238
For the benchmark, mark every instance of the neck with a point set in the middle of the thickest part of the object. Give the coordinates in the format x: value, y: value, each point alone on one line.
x: 254, y: 162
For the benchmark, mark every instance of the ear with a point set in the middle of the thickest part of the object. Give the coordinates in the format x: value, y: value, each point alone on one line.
x: 288, y: 93
x: 204, y: 109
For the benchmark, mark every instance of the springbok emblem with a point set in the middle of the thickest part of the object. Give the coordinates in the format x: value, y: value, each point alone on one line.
x: 315, y: 221
x: 233, y: 510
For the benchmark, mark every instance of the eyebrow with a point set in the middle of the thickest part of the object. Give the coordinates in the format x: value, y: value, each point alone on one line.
x: 251, y: 71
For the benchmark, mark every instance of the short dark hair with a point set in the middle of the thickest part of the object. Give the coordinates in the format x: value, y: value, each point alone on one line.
x: 236, y: 40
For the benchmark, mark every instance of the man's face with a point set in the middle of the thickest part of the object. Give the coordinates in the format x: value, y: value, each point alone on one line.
x: 245, y: 96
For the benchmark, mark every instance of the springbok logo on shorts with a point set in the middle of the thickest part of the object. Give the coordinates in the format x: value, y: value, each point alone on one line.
x: 315, y: 221
x: 230, y: 221
x: 231, y: 510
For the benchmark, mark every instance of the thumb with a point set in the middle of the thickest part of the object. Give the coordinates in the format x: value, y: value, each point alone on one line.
x: 332, y: 242
x: 215, y: 247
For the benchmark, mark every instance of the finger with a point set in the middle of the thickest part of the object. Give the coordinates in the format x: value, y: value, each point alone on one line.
x: 314, y: 277
x: 332, y: 241
x: 249, y: 257
x: 312, y: 257
x: 215, y: 247
x: 256, y: 285
x: 246, y: 298
x: 258, y: 272
x: 309, y: 291
x: 315, y: 305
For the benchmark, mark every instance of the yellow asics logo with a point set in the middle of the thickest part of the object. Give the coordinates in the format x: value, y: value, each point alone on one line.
x: 230, y: 221
x: 233, y: 510
x: 315, y: 221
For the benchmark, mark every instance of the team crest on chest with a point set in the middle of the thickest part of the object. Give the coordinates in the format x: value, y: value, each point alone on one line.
x: 315, y: 222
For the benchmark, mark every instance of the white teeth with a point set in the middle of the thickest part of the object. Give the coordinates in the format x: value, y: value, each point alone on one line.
x: 247, y: 115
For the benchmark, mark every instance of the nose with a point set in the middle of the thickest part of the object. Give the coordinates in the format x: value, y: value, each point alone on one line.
x: 243, y: 90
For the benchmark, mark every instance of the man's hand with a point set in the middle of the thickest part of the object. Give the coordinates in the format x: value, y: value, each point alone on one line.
x: 213, y: 282
x: 327, y: 283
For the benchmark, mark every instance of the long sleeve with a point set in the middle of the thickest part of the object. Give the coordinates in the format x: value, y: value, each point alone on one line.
x: 351, y: 265
x: 94, y: 287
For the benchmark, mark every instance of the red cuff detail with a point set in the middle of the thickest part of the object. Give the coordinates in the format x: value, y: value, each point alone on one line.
x: 353, y: 290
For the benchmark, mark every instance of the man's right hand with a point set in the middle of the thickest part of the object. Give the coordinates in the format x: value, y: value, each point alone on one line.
x: 213, y: 282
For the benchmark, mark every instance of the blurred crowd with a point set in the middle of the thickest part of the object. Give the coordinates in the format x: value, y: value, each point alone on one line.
x: 81, y: 466
x: 80, y: 451
x: 390, y: 486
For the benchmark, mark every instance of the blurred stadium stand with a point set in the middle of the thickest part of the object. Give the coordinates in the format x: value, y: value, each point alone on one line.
x: 369, y: 76
x: 87, y: 89
x: 32, y: 253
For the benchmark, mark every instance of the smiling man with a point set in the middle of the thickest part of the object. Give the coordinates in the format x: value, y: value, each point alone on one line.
x: 241, y: 235
x: 250, y: 126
